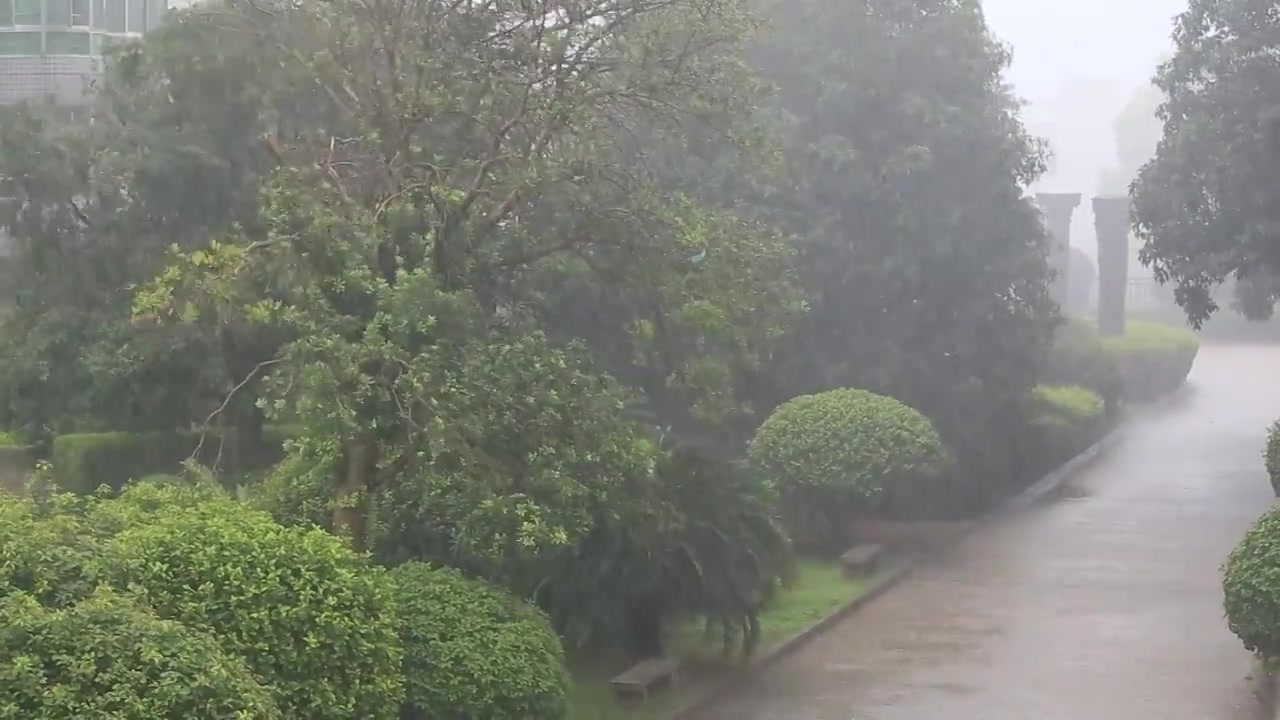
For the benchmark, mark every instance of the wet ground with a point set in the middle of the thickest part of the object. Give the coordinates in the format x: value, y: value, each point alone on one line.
x: 1103, y: 604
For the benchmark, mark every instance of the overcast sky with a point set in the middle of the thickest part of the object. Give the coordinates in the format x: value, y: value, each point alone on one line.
x: 1077, y: 63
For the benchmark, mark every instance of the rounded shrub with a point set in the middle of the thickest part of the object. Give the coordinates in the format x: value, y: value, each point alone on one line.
x: 309, y: 616
x: 1251, y: 587
x: 1271, y: 455
x: 106, y: 658
x: 475, y: 652
x: 847, y: 451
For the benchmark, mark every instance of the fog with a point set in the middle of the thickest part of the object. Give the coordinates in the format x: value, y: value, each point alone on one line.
x: 1077, y: 65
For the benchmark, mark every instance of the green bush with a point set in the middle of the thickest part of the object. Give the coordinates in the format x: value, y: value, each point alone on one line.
x: 473, y: 652
x: 310, y: 618
x: 1251, y: 587
x: 1271, y: 455
x: 1063, y: 421
x: 847, y: 451
x: 1154, y: 359
x: 47, y: 551
x: 106, y: 658
x: 1078, y: 357
x: 8, y: 439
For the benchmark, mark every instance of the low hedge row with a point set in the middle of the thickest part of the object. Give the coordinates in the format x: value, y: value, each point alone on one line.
x: 1153, y: 359
x: 85, y: 461
x: 191, y: 604
x: 1148, y: 362
x: 1064, y: 420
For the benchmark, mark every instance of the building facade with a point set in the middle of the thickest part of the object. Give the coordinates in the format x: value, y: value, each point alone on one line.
x: 51, y: 50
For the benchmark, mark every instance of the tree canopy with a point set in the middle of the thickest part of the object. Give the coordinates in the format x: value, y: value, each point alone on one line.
x: 525, y: 275
x: 1206, y: 205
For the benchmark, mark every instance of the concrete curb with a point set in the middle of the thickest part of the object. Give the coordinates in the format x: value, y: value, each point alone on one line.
x: 901, y: 568
x: 897, y: 571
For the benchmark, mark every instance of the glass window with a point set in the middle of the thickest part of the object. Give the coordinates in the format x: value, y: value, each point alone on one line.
x: 57, y: 12
x: 26, y: 12
x: 66, y: 43
x: 115, y: 15
x: 137, y: 15
x: 6, y: 12
x: 99, y: 14
x: 80, y: 13
x: 20, y: 43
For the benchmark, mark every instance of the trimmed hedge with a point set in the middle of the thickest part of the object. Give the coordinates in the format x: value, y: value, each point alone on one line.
x: 1079, y: 358
x: 85, y: 461
x: 1064, y: 420
x: 1251, y: 587
x: 312, y: 619
x: 1154, y: 359
x: 106, y: 657
x: 474, y: 651
x: 847, y: 451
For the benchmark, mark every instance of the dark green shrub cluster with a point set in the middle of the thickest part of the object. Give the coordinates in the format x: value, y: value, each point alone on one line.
x: 1079, y: 358
x: 1251, y: 587
x: 1154, y: 359
x: 107, y: 657
x: 1064, y: 420
x: 847, y: 451
x: 474, y: 651
x: 1271, y: 456
x: 191, y: 599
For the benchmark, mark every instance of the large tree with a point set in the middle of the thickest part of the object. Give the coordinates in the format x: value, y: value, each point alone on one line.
x: 906, y: 170
x: 1207, y: 207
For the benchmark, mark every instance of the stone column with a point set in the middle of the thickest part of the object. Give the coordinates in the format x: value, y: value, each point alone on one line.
x: 1057, y: 209
x: 1111, y: 219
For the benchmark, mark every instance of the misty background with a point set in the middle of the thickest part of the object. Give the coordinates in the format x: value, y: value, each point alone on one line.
x: 1084, y: 68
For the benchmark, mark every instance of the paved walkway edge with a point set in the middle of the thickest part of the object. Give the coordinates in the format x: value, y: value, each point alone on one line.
x: 897, y: 571
x: 901, y: 569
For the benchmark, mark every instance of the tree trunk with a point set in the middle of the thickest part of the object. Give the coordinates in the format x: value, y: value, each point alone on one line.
x: 350, y: 498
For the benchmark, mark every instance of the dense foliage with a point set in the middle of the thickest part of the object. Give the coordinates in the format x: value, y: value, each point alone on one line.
x: 1271, y: 456
x: 523, y: 279
x: 1205, y: 205
x: 923, y: 260
x: 473, y: 651
x: 1251, y: 587
x: 308, y: 617
x: 846, y: 451
x: 109, y: 657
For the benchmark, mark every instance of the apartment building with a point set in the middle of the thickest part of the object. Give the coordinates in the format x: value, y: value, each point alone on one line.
x: 51, y: 50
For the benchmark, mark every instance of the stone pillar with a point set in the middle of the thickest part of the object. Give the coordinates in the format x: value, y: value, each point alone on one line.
x: 1057, y: 209
x: 1111, y: 219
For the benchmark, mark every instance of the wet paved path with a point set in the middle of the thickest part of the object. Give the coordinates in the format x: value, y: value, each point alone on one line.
x: 1105, y: 607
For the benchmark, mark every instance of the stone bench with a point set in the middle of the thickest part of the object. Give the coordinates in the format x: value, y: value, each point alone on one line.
x: 642, y: 676
x: 861, y: 559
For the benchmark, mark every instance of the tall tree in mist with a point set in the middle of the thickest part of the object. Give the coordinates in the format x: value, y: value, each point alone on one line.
x: 1207, y: 206
x: 906, y: 170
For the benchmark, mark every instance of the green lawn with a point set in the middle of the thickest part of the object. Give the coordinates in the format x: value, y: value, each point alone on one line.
x: 819, y: 589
